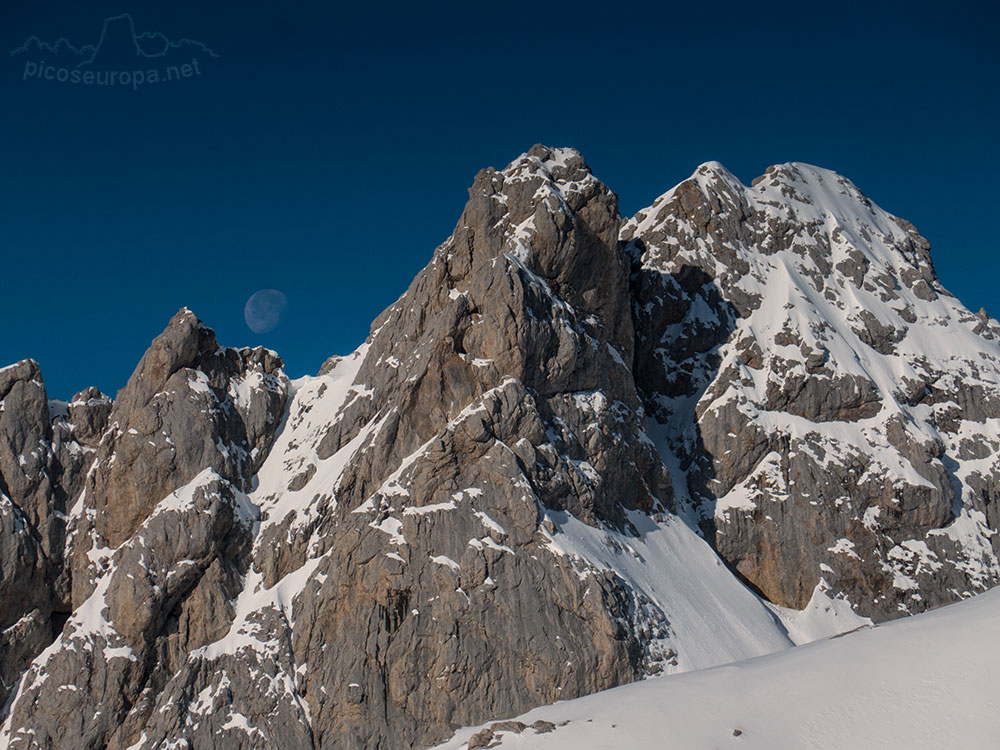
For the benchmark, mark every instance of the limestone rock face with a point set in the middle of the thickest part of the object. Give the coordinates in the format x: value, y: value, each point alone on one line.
x: 31, y: 526
x: 76, y: 436
x: 828, y: 402
x: 27, y: 463
x: 160, y: 437
x: 576, y: 451
x: 80, y: 481
x: 166, y: 592
x: 403, y: 504
x: 190, y: 405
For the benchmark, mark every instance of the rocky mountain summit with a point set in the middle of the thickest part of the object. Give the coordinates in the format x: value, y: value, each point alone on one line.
x: 577, y: 451
x: 833, y: 409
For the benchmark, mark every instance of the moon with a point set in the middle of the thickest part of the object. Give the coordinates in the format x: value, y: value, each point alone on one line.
x: 262, y: 311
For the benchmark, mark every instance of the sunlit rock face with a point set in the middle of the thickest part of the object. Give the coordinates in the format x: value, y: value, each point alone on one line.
x: 832, y: 409
x: 578, y: 450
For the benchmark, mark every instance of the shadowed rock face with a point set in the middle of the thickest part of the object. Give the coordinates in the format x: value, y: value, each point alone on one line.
x: 42, y: 457
x: 394, y: 549
x: 30, y: 530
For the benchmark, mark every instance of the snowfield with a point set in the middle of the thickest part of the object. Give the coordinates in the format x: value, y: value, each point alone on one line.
x: 929, y: 681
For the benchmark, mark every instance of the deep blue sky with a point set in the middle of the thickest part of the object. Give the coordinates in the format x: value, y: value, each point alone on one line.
x: 327, y: 149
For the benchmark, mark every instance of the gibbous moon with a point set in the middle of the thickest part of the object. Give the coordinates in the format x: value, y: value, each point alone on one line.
x: 262, y: 311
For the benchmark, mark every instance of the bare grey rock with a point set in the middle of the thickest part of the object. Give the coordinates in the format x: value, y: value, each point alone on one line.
x: 190, y: 405
x: 752, y: 388
x: 160, y: 437
x: 147, y: 613
x: 31, y: 522
x: 496, y: 387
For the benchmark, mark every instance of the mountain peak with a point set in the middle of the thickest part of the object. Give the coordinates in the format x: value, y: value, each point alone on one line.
x: 793, y: 315
x: 26, y: 370
x: 570, y: 455
x: 714, y: 171
x: 560, y: 174
x: 557, y: 154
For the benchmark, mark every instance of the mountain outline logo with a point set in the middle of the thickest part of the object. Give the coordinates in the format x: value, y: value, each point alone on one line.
x: 121, y: 56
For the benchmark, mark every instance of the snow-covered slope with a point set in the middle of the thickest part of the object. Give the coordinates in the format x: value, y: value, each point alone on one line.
x: 925, y: 682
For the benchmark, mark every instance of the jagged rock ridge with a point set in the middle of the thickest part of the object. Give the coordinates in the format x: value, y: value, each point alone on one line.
x: 491, y: 504
x: 831, y: 408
